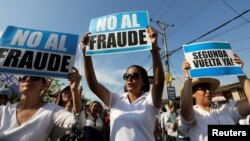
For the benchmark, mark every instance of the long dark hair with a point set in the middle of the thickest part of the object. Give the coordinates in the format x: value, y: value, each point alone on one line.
x: 144, y: 75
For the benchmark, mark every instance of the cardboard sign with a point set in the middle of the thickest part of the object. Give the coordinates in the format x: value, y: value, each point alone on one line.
x: 211, y: 59
x: 36, y: 52
x: 119, y: 32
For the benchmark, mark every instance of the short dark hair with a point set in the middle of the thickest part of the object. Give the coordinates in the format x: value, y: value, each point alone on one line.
x: 144, y: 76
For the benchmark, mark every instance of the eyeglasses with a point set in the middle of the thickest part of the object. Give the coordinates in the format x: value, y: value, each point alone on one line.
x: 202, y: 86
x: 33, y: 78
x: 133, y: 76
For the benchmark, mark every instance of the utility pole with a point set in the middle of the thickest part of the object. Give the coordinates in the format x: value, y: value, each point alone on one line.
x: 163, y: 27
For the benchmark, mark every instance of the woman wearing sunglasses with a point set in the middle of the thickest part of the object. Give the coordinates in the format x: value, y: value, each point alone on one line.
x: 33, y: 120
x: 133, y: 113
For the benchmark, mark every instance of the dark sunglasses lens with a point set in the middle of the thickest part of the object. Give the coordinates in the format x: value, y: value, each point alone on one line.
x: 22, y: 78
x: 33, y: 78
x: 133, y: 76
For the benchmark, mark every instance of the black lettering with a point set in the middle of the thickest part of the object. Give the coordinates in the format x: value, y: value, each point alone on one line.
x: 26, y: 60
x: 227, y: 61
x: 121, y: 39
x: 111, y: 40
x: 224, y: 53
x: 2, y: 51
x: 41, y: 60
x: 142, y: 36
x: 101, y: 41
x: 200, y: 55
x: 92, y: 41
x: 54, y: 62
x: 195, y: 55
x: 132, y: 38
x: 204, y: 54
x: 12, y: 58
x: 196, y: 64
x: 65, y: 63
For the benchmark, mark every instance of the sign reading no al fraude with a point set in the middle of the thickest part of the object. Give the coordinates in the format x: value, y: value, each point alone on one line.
x: 119, y: 33
x: 37, y: 52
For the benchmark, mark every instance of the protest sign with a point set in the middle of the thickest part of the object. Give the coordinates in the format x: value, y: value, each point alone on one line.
x: 211, y: 59
x: 119, y: 32
x: 37, y: 52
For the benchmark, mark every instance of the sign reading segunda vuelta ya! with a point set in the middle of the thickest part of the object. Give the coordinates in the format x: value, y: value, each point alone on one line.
x: 119, y: 32
x: 211, y: 59
x: 37, y: 52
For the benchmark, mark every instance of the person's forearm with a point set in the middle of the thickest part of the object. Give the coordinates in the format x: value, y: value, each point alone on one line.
x: 77, y: 103
x: 245, y: 83
x: 158, y: 80
x: 187, y: 100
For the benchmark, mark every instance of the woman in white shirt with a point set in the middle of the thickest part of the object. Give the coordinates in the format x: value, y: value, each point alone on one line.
x: 132, y: 115
x: 31, y: 119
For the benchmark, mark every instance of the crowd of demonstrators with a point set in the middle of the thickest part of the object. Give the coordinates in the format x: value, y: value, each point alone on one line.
x: 195, y: 119
x: 132, y: 115
x: 169, y: 119
x: 31, y: 118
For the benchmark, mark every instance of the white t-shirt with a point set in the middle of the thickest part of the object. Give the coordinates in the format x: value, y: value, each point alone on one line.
x: 245, y: 121
x: 98, y: 124
x: 38, y: 128
x: 163, y: 121
x: 132, y: 121
x: 197, y: 129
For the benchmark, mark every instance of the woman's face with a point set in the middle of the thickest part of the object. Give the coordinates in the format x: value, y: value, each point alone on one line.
x: 30, y: 84
x: 95, y: 108
x: 133, y: 80
x: 66, y: 95
x: 203, y: 93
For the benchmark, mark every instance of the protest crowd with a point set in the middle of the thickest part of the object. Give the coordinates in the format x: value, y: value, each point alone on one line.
x: 136, y: 115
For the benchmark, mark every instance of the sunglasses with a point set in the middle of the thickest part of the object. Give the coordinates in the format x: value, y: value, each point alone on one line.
x: 133, y: 76
x: 202, y: 86
x: 33, y: 78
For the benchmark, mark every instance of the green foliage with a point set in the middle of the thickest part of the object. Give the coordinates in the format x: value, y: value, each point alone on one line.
x: 54, y: 86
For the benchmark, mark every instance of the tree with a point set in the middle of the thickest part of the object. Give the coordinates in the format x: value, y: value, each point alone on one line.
x: 54, y: 86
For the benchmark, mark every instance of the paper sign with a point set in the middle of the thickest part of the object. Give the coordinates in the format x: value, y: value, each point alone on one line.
x: 36, y: 52
x: 211, y: 59
x: 119, y: 33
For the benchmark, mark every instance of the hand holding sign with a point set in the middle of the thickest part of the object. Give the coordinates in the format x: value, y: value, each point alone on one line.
x: 153, y: 37
x: 237, y: 60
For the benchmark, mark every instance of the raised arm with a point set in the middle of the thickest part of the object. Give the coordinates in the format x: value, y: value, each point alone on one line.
x: 98, y: 89
x: 158, y: 80
x: 244, y: 106
x: 186, y: 99
x: 75, y: 78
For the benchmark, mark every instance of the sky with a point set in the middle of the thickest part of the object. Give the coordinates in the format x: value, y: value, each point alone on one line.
x: 191, y: 19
